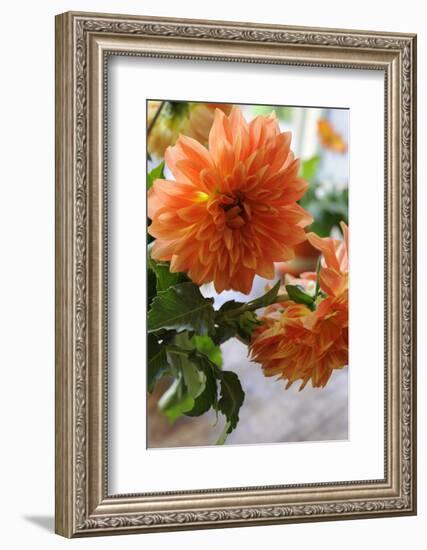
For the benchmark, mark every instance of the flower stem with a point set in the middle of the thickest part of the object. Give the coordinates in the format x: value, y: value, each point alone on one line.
x: 279, y: 298
x: 318, y: 266
x: 233, y: 313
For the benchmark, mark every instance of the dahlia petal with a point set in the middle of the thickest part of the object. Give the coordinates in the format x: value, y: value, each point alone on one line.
x: 164, y: 216
x: 262, y: 129
x: 276, y: 250
x: 191, y: 214
x: 200, y: 274
x: 206, y: 230
x: 228, y: 238
x: 295, y: 214
x: 293, y: 192
x: 190, y: 170
x: 193, y: 150
x: 154, y: 202
x: 168, y: 190
x: 291, y: 168
x: 239, y: 176
x: 220, y: 281
x: 222, y: 261
x: 255, y: 131
x: 217, y: 135
x: 160, y: 230
x: 331, y: 281
x: 281, y: 150
x: 236, y: 222
x: 249, y: 260
x: 289, y: 161
x: 210, y: 180
x: 237, y: 121
x: 243, y: 280
x: 162, y: 250
x: 265, y: 269
x: 216, y: 243
x: 177, y: 264
x: 224, y: 161
x: 172, y: 156
x: 344, y: 228
x: 327, y: 247
x: 255, y: 162
x: 342, y: 252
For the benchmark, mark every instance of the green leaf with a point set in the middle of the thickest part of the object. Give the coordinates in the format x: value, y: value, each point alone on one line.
x: 189, y: 383
x: 205, y: 345
x: 297, y: 294
x: 151, y: 286
x: 157, y: 362
x: 179, y: 359
x: 176, y: 400
x: 246, y: 324
x: 309, y: 168
x: 198, y: 374
x: 224, y: 332
x: 231, y: 392
x: 327, y: 211
x: 195, y: 380
x: 336, y: 208
x: 230, y: 305
x: 183, y: 341
x: 232, y: 397
x: 208, y: 397
x: 182, y: 307
x: 233, y: 317
x: 267, y: 299
x: 164, y: 277
x: 156, y: 174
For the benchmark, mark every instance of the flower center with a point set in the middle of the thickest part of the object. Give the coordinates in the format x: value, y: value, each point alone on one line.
x: 237, y: 211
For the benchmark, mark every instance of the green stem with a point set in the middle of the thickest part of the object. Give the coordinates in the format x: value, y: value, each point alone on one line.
x: 318, y: 266
x: 279, y: 298
x: 233, y: 313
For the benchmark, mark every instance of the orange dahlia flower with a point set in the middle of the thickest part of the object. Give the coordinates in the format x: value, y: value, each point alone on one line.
x: 231, y: 211
x: 296, y: 343
x: 191, y: 119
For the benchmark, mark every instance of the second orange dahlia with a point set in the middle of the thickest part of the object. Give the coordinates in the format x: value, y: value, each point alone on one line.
x: 297, y: 344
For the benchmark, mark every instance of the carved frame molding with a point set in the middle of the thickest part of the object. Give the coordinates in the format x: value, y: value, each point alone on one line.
x: 83, y: 44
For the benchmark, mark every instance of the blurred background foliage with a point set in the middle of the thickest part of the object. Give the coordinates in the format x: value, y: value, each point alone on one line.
x: 327, y: 206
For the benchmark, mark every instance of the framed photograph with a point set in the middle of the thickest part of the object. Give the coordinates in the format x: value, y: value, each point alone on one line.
x: 235, y: 274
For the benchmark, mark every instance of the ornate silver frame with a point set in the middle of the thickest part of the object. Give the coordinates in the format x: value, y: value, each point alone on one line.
x: 83, y: 505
